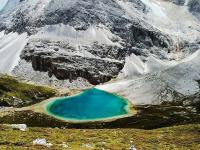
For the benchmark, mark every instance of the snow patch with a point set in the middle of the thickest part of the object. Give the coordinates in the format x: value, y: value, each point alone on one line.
x: 8, y: 5
x: 155, y: 8
x: 135, y: 67
x: 179, y: 24
x: 157, y: 84
x: 186, y: 2
x: 54, y: 5
x: 3, y: 3
x: 130, y: 11
x: 11, y: 46
x: 84, y: 37
x: 1, y: 34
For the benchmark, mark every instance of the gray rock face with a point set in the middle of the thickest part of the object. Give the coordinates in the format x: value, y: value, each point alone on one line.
x: 105, y: 60
x: 194, y: 6
x: 79, y: 14
x: 46, y: 58
x: 149, y: 36
x: 179, y: 2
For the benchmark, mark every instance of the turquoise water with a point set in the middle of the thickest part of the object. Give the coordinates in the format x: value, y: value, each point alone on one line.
x: 92, y: 104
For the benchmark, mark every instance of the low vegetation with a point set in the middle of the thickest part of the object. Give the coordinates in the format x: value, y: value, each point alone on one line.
x: 185, y: 137
x: 18, y: 94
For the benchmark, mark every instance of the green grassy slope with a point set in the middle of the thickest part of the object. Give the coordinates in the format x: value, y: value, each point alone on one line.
x: 173, y: 138
x: 14, y: 93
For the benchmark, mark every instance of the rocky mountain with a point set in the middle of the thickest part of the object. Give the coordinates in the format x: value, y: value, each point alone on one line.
x: 76, y: 43
x: 88, y: 39
x: 143, y: 55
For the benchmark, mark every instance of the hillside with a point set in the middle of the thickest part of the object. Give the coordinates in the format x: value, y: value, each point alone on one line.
x: 18, y: 94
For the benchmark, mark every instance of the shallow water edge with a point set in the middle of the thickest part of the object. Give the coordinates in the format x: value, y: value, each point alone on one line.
x: 127, y: 107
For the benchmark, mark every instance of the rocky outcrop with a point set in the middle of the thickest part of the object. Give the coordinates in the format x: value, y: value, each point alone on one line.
x: 194, y: 6
x: 71, y: 66
x: 149, y: 36
x: 97, y: 61
x: 79, y: 14
x: 96, y: 71
x: 179, y: 2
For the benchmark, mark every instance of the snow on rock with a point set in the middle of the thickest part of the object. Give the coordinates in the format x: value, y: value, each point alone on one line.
x: 3, y: 3
x: 60, y: 4
x: 21, y: 127
x: 186, y: 2
x: 42, y: 142
x: 159, y: 83
x: 11, y: 46
x: 7, y: 5
x: 67, y: 33
x: 1, y: 34
x: 129, y: 8
x: 163, y: 15
x: 34, y: 9
x: 24, y: 70
x: 154, y: 65
x: 179, y: 24
x: 155, y: 8
x: 184, y: 77
x: 135, y: 67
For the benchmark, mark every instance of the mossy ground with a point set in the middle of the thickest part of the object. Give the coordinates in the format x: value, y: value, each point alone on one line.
x: 185, y: 137
x: 15, y: 93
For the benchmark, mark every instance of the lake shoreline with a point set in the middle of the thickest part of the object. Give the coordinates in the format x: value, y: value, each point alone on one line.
x: 42, y: 108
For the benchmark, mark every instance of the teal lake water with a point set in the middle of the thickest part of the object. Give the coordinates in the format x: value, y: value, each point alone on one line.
x: 92, y: 104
